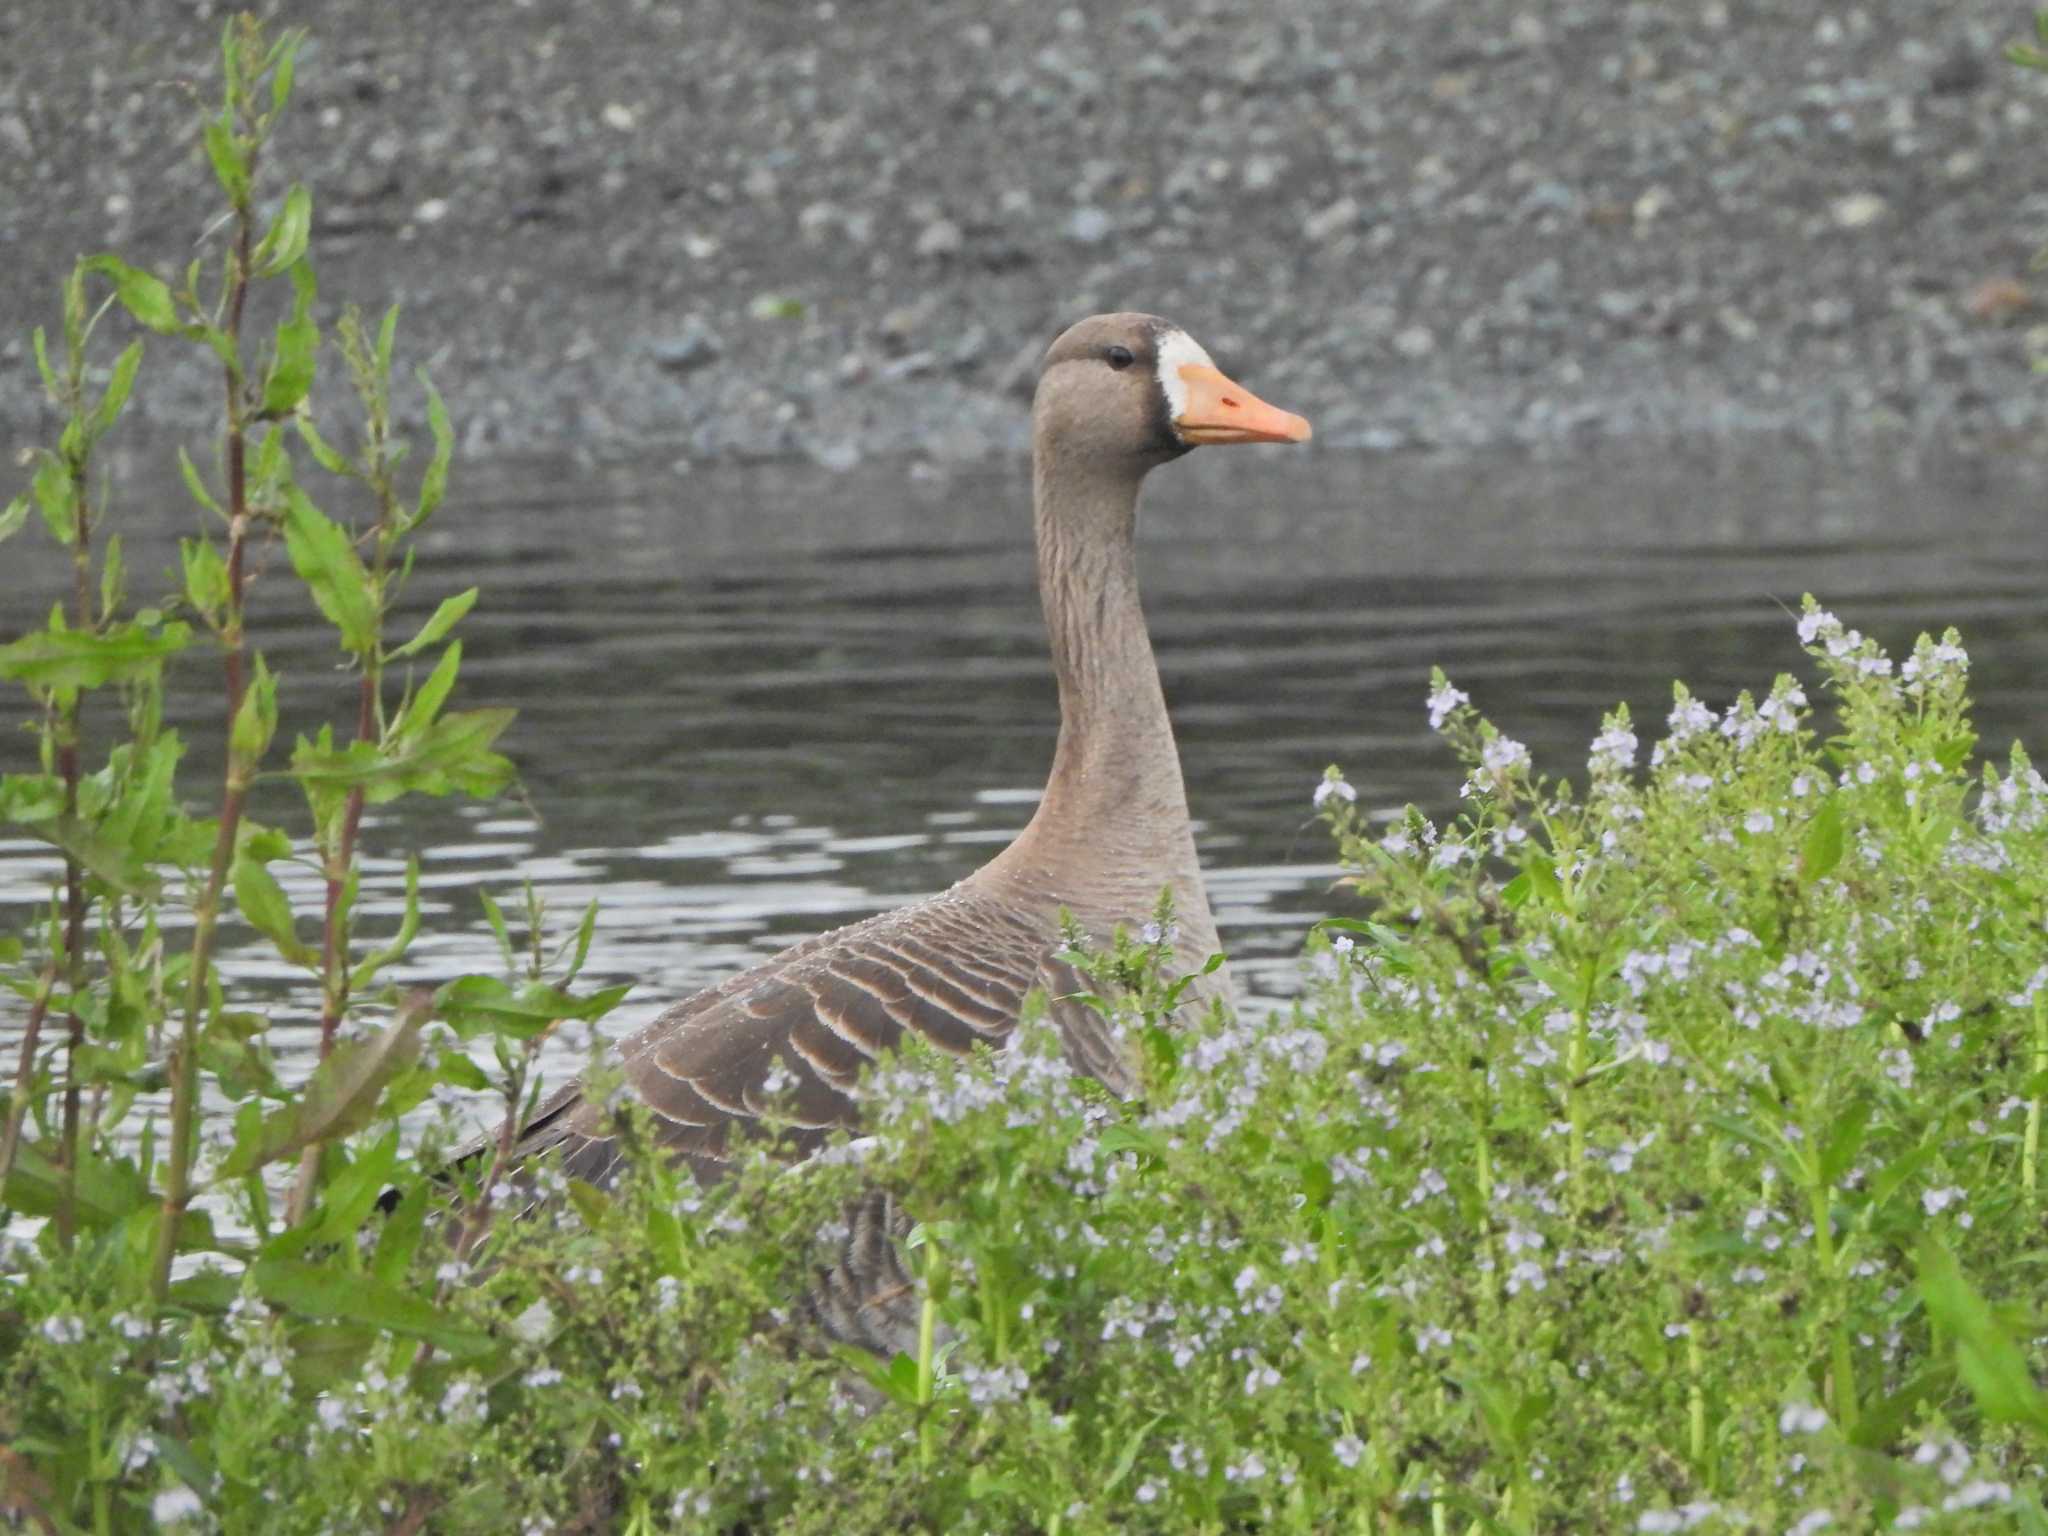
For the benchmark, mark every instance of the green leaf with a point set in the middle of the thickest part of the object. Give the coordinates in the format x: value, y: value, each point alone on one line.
x: 591, y: 1203
x: 445, y: 618
x: 1992, y: 1366
x: 267, y: 909
x: 434, y: 485
x: 283, y: 68
x: 339, y: 1099
x: 13, y: 518
x: 1128, y: 1457
x: 326, y: 560
x: 113, y: 577
x: 206, y: 576
x: 324, y: 452
x: 1845, y: 1140
x: 387, y: 341
x: 144, y: 295
x: 196, y: 487
x: 230, y: 161
x: 118, y: 389
x: 328, y: 1293
x: 51, y: 384
x: 408, y: 926
x: 104, y: 1193
x: 53, y: 499
x: 285, y: 241
x: 116, y: 864
x: 255, y: 718
x: 456, y: 1068
x: 472, y: 1004
x: 1822, y: 847
x: 78, y: 659
x: 400, y: 1238
x: 297, y: 352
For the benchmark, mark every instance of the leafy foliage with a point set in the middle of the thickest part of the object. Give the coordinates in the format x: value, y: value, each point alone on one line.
x: 1657, y: 1156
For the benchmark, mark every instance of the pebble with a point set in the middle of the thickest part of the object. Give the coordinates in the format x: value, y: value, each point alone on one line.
x: 1089, y: 226
x: 694, y: 345
x: 1438, y: 186
x: 939, y: 239
x: 1330, y: 220
x: 1415, y: 342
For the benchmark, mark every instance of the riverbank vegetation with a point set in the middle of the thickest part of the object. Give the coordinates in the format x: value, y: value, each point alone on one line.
x: 1658, y: 1152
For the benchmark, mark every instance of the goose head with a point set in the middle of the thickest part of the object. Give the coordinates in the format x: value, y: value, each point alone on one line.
x: 1139, y: 390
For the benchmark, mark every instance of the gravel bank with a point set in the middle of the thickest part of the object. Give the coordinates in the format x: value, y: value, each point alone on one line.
x: 845, y: 229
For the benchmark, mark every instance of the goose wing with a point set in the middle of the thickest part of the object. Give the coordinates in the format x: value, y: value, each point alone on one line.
x: 792, y: 1036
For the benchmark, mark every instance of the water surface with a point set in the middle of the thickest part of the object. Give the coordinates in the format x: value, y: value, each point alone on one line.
x: 760, y: 701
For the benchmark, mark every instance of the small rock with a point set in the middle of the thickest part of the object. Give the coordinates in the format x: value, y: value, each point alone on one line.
x: 432, y: 211
x: 939, y: 239
x: 1999, y: 298
x: 1332, y: 220
x: 1262, y: 172
x: 1858, y: 209
x: 908, y: 366
x: 905, y: 321
x: 838, y: 456
x: 1415, y: 342
x: 692, y: 347
x: 1737, y: 324
x: 969, y: 345
x: 1089, y: 226
x: 14, y: 135
x: 618, y: 115
x: 1962, y: 71
x: 1649, y: 205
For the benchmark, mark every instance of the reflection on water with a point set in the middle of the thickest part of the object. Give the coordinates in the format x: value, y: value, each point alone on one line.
x: 759, y: 702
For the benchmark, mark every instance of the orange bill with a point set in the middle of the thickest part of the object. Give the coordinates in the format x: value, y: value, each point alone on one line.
x: 1218, y: 411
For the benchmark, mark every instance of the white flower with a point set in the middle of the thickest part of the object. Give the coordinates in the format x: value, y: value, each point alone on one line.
x: 1802, y: 1419
x: 1503, y: 755
x: 1431, y: 1337
x: 64, y: 1328
x: 1979, y: 1492
x: 1935, y: 1201
x: 1442, y: 701
x: 1758, y: 822
x: 1348, y: 1449
x: 1688, y: 719
x: 1328, y: 789
x: 175, y: 1504
x: 1814, y: 623
x: 1813, y: 1520
x: 1613, y: 749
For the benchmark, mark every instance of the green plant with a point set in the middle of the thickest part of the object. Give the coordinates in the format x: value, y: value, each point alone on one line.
x: 124, y: 962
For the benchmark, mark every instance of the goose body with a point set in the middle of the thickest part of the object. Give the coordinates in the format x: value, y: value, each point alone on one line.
x: 1118, y: 395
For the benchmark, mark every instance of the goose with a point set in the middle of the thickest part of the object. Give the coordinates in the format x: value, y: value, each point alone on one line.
x: 1118, y: 395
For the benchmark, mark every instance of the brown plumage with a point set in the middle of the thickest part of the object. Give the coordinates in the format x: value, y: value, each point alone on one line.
x: 1118, y: 396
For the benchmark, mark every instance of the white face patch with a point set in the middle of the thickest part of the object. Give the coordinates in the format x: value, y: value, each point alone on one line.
x: 1177, y: 349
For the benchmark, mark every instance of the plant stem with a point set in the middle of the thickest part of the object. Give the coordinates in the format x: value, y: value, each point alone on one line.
x: 1696, y: 1401
x: 2030, y: 1164
x: 927, y: 1336
x: 1575, y: 1108
x: 206, y: 911
x: 74, y: 877
x: 24, y: 1072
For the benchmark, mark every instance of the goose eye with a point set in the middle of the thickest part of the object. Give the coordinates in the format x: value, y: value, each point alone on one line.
x: 1119, y: 358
